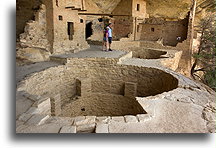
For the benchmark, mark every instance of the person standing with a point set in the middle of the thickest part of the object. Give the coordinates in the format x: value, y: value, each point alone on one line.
x: 105, y: 39
x: 109, y: 28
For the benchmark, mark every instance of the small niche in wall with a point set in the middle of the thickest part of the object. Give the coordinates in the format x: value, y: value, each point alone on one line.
x: 81, y: 20
x: 100, y: 20
x: 152, y: 29
x: 60, y: 17
x: 138, y: 7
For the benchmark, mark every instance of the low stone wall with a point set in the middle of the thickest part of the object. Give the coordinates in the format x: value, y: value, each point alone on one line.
x: 124, y: 45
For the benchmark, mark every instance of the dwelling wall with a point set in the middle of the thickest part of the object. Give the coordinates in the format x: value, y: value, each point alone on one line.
x: 151, y: 32
x: 142, y: 8
x: 61, y: 41
x: 97, y: 28
x: 168, y: 31
x: 123, y: 26
x: 75, y: 3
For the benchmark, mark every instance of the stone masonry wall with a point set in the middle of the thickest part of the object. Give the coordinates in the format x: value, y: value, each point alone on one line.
x: 168, y: 31
x: 98, y: 104
x: 25, y: 11
x: 35, y: 34
x: 62, y: 42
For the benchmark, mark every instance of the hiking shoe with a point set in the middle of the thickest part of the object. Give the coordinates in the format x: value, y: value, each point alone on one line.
x: 110, y: 49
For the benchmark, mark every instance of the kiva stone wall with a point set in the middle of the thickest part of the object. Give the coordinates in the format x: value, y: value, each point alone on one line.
x: 99, y: 104
x: 96, y: 76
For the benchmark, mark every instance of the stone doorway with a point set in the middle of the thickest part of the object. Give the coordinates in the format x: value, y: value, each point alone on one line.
x: 89, y: 30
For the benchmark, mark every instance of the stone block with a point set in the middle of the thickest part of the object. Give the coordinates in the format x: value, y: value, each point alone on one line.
x: 45, y: 102
x: 209, y: 116
x: 144, y: 117
x: 24, y: 117
x: 63, y: 121
x: 56, y: 105
x: 117, y: 119
x: 33, y: 110
x: 102, y: 128
x: 87, y: 128
x: 105, y: 119
x: 22, y: 105
x: 68, y: 129
x: 130, y: 89
x: 79, y: 119
x: 130, y: 119
x: 87, y: 120
x: 37, y: 119
x: 211, y: 126
x: 45, y: 128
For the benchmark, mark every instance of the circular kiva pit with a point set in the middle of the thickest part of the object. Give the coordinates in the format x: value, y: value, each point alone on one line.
x: 98, y: 90
x: 144, y: 53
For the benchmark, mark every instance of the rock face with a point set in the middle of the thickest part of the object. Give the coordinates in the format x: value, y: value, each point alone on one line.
x: 169, y: 9
x: 106, y: 6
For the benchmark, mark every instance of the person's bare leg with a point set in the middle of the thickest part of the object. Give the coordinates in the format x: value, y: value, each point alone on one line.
x: 104, y: 46
x: 107, y: 46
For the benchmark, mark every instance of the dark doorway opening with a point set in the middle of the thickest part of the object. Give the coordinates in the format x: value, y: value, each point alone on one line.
x: 70, y: 30
x: 89, y: 30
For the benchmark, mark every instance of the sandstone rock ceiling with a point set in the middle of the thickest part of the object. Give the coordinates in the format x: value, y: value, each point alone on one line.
x: 106, y: 6
x: 168, y: 8
x: 171, y: 9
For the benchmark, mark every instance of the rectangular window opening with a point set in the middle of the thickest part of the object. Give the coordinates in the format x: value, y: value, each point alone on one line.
x: 70, y: 30
x: 138, y: 7
x: 152, y: 29
x: 60, y: 17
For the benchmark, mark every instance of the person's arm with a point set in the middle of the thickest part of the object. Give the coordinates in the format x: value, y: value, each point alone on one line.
x: 107, y: 34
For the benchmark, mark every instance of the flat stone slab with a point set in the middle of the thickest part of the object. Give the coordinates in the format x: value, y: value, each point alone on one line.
x: 22, y: 105
x: 46, y: 128
x: 170, y: 117
x: 68, y: 129
x: 102, y: 128
x: 37, y: 119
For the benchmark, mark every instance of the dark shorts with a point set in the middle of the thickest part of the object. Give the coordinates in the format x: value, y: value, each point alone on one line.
x: 110, y: 40
x: 105, y: 39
